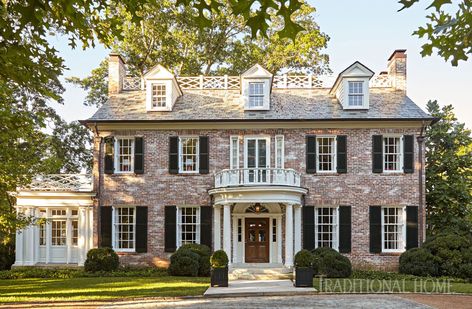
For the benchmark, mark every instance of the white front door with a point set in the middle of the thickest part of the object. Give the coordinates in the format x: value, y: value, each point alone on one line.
x: 257, y: 159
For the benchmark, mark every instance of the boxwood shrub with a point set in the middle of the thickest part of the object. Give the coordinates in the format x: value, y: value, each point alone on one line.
x: 219, y: 259
x: 418, y: 262
x: 101, y: 259
x: 303, y: 258
x: 330, y: 263
x: 184, y: 263
x: 204, y: 253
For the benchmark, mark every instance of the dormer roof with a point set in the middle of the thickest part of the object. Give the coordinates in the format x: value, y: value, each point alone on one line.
x: 256, y: 71
x: 161, y: 73
x: 356, y: 70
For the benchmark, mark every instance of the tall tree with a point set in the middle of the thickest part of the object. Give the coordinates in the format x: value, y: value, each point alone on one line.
x: 225, y: 47
x: 448, y: 171
x: 449, y: 33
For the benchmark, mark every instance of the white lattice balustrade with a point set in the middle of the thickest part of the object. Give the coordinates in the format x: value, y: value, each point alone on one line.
x: 61, y: 182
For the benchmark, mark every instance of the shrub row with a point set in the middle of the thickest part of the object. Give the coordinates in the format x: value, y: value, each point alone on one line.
x: 325, y: 262
x: 446, y: 254
x: 190, y: 260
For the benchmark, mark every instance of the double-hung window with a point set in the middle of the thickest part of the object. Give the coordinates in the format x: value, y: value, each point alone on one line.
x: 326, y: 153
x: 256, y: 94
x: 326, y: 227
x: 124, y: 228
x: 392, y: 154
x: 124, y: 154
x: 393, y: 229
x: 188, y: 225
x: 159, y: 95
x: 188, y: 154
x: 356, y: 93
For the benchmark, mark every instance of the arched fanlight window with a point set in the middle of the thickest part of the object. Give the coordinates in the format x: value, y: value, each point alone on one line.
x: 257, y: 208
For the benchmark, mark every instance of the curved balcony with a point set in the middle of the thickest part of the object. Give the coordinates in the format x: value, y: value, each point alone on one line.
x: 257, y: 177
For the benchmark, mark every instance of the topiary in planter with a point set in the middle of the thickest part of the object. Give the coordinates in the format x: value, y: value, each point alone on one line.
x: 184, y: 263
x: 219, y: 259
x: 330, y: 263
x: 303, y: 258
x: 303, y: 268
x: 219, y: 269
x: 101, y: 259
x: 418, y: 262
x: 204, y: 253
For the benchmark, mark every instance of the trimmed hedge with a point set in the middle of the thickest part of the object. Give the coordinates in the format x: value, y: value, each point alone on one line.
x: 330, y: 263
x: 7, y: 256
x: 219, y: 259
x: 184, y: 263
x: 418, y: 262
x: 303, y: 258
x: 101, y: 259
x: 204, y: 253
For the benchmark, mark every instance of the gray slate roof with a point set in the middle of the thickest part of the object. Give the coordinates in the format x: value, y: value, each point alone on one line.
x: 286, y: 104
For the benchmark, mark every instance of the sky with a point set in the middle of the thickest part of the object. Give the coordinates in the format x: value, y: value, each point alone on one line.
x: 364, y: 30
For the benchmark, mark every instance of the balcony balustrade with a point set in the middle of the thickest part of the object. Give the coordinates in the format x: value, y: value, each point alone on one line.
x: 257, y: 177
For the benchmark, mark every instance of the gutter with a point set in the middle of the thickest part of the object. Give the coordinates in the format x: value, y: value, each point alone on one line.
x: 421, y: 207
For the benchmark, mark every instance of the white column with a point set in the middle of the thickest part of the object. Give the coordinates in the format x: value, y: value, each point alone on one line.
x: 29, y: 240
x: 216, y: 227
x: 227, y: 230
x: 279, y: 240
x: 297, y: 228
x: 36, y: 237
x: 48, y: 236
x: 19, y: 244
x: 289, y: 235
x: 68, y: 236
x: 90, y: 229
x: 235, y: 240
x: 82, y: 241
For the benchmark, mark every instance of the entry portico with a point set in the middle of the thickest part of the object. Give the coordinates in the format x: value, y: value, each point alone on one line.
x: 261, y: 215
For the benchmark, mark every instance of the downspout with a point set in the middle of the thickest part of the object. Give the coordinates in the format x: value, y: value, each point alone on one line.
x: 99, y: 185
x: 421, y: 206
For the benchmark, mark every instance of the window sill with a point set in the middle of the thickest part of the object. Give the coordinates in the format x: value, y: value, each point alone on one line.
x: 124, y: 253
x: 399, y: 173
x: 326, y: 174
x: 398, y: 253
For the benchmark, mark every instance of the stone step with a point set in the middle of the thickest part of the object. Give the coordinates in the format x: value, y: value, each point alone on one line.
x: 260, y: 273
x: 247, y: 276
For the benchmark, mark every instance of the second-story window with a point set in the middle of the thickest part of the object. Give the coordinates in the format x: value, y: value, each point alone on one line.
x: 159, y: 95
x: 326, y: 153
x: 356, y: 94
x: 392, y: 154
x: 256, y: 95
x: 124, y: 151
x: 188, y: 154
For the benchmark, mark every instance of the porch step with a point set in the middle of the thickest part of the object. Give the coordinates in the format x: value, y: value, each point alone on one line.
x: 260, y: 273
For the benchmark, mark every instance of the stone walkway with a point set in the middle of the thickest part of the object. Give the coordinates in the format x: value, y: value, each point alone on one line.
x: 258, y: 288
x: 301, y: 301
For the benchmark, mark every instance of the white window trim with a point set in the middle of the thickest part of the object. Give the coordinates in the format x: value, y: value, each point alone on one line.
x: 256, y: 137
x: 335, y: 150
x: 402, y: 245
x: 179, y: 224
x: 169, y: 88
x: 165, y: 95
x: 245, y: 93
x: 114, y: 241
x: 336, y: 227
x: 117, y: 155
x: 68, y: 217
x: 365, y: 92
x: 231, y: 150
x: 400, y: 170
x: 282, y: 153
x: 197, y: 157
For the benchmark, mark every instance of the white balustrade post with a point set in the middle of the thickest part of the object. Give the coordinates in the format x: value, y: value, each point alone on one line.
x: 217, y: 227
x: 289, y: 235
x: 226, y: 81
x: 297, y: 228
x: 201, y: 81
x: 285, y: 80
x: 227, y: 230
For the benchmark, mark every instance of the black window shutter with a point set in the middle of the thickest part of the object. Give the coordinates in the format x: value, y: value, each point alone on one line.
x: 377, y: 153
x: 345, y: 229
x: 375, y: 220
x: 170, y: 214
x: 139, y: 155
x: 408, y: 154
x: 105, y: 226
x: 204, y: 157
x: 205, y: 225
x: 311, y: 154
x: 341, y: 149
x: 308, y: 227
x: 141, y: 229
x: 109, y: 154
x: 411, y: 227
x: 173, y: 155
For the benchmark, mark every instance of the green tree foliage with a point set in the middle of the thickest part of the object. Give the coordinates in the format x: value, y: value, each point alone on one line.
x: 448, y: 171
x: 172, y: 38
x: 449, y: 33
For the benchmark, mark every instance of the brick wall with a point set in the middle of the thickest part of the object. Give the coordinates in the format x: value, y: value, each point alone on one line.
x: 359, y: 188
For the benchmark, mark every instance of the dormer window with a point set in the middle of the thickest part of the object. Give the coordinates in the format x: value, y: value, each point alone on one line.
x: 356, y: 93
x: 256, y: 95
x: 159, y: 95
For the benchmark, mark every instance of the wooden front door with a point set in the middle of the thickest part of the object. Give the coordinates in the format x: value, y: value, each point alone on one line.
x: 257, y: 240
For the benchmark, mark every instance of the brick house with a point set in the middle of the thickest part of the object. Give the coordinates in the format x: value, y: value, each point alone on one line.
x: 258, y: 165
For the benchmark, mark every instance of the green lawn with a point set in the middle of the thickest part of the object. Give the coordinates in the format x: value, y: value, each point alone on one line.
x: 99, y: 288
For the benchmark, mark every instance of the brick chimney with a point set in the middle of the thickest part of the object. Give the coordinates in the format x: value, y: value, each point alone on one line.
x: 397, y: 69
x: 116, y: 73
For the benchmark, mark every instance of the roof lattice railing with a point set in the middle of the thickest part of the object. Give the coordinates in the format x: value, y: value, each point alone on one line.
x: 61, y: 182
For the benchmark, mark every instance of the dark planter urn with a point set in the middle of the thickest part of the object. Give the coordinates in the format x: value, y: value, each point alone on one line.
x: 303, y: 277
x: 219, y: 277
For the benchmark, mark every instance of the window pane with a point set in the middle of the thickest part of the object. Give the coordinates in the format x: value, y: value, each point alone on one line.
x: 58, y: 232
x: 392, y: 154
x: 125, y: 154
x: 158, y: 95
x: 75, y: 232
x: 256, y: 94
x: 326, y: 227
x: 188, y: 225
x: 392, y: 228
x: 326, y: 153
x: 189, y: 154
x: 124, y: 227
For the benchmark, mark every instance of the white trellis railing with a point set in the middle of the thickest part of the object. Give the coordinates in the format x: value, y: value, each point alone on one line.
x: 61, y: 182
